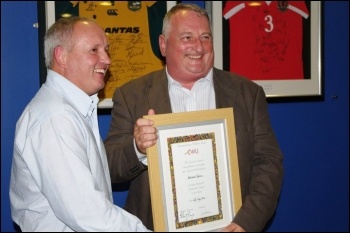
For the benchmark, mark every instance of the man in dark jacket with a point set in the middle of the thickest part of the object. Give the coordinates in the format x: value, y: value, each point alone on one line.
x: 189, y: 82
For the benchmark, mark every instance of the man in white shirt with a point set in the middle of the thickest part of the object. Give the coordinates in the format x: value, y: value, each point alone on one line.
x: 60, y: 179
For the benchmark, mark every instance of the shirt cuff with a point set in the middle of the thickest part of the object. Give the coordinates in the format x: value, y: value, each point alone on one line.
x: 142, y: 157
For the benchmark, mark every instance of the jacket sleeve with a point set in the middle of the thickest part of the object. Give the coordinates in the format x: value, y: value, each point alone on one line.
x: 260, y: 160
x: 122, y: 159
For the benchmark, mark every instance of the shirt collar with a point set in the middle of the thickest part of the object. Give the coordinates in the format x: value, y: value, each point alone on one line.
x: 80, y: 100
x: 171, y: 81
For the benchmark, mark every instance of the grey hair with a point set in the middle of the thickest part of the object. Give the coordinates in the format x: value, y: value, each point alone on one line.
x: 180, y: 7
x: 60, y: 34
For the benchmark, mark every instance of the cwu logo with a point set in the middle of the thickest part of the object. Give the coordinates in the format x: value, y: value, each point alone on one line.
x: 112, y: 12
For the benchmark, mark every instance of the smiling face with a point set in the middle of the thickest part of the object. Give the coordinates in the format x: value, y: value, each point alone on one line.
x: 86, y: 59
x: 188, y: 47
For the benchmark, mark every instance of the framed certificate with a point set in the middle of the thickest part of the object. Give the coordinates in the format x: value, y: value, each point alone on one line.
x: 193, y: 171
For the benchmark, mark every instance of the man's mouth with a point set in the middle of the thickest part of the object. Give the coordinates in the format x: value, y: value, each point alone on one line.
x: 194, y: 56
x: 101, y: 71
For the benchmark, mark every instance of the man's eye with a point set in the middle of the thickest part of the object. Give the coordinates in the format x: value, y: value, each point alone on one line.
x: 206, y: 38
x: 186, y: 38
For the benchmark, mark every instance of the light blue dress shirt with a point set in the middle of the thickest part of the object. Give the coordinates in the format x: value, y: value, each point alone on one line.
x: 60, y: 179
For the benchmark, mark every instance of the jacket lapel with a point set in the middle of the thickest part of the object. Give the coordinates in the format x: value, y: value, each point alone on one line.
x: 158, y: 94
x: 224, y: 90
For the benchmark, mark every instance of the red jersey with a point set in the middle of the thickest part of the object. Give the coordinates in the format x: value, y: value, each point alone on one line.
x: 266, y: 38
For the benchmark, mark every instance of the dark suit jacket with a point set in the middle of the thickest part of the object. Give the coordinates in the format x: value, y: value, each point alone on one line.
x: 259, y: 156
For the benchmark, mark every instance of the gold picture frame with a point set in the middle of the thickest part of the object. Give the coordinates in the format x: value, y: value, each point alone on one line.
x: 193, y: 171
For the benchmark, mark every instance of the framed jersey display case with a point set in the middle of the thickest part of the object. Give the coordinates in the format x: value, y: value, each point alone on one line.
x: 276, y: 44
x: 132, y: 28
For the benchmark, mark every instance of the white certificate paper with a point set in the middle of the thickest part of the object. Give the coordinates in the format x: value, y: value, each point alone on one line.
x: 195, y: 183
x: 194, y: 172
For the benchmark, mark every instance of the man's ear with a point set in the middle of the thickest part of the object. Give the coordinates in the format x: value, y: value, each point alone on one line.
x: 162, y: 45
x: 60, y: 56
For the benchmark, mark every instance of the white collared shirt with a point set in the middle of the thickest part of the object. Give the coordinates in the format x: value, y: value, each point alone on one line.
x: 60, y: 179
x: 200, y: 97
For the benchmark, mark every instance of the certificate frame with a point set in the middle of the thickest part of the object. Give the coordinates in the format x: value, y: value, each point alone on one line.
x: 180, y: 181
x: 308, y: 88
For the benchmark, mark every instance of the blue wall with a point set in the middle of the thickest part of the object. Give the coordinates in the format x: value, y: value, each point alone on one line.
x: 313, y: 135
